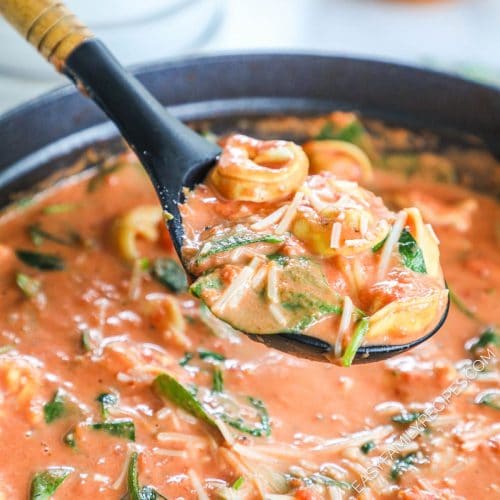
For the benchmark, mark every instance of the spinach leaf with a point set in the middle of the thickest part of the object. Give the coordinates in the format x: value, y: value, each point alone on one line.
x: 106, y: 401
x: 316, y: 308
x: 304, y: 297
x: 406, y: 418
x: 29, y: 286
x: 319, y: 479
x: 217, y: 380
x: 234, y: 240
x: 350, y: 133
x: 184, y: 361
x: 135, y: 491
x: 167, y: 387
x: 460, y: 305
x: 59, y: 208
x: 227, y: 407
x: 489, y: 397
x: 282, y: 260
x: 86, y: 341
x: 101, y: 175
x: 238, y: 483
x: 402, y: 464
x: 379, y: 245
x: 44, y: 484
x: 411, y: 253
x: 355, y: 342
x: 367, y: 447
x: 56, y: 408
x: 120, y: 428
x: 39, y: 235
x: 42, y: 261
x: 488, y: 337
x: 210, y: 355
x: 206, y: 282
x: 170, y: 274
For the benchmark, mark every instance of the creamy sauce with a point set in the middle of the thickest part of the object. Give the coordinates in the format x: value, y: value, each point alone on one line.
x: 316, y: 410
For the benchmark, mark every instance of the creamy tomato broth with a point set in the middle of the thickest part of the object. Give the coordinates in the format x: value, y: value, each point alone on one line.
x: 114, y: 379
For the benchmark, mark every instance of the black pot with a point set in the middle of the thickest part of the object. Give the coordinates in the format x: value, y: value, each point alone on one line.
x: 48, y: 133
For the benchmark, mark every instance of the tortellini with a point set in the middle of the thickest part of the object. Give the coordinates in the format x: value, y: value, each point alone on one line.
x: 342, y: 218
x: 341, y: 158
x: 142, y: 221
x: 259, y: 171
x: 407, y: 316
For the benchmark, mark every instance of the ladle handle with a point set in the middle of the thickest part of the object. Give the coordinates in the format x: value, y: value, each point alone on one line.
x: 166, y: 147
x: 48, y: 25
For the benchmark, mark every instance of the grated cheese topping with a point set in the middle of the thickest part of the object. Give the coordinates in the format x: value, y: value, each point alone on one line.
x: 290, y: 213
x: 345, y: 323
x: 391, y: 241
x: 271, y: 219
x: 277, y: 313
x: 272, y: 283
x: 234, y: 291
x: 336, y: 233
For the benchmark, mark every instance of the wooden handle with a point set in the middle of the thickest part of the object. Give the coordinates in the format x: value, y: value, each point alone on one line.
x: 48, y: 25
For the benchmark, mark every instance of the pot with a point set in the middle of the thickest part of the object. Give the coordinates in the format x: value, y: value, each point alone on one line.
x: 53, y: 131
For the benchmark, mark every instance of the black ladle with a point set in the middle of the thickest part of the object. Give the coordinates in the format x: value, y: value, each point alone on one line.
x: 173, y: 155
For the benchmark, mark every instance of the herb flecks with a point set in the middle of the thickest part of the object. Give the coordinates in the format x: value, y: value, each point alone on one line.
x: 489, y: 337
x: 56, y: 408
x: 356, y: 340
x: 411, y: 254
x: 217, y: 380
x: 170, y: 274
x: 235, y: 240
x: 106, y: 401
x: 135, y: 491
x: 124, y: 428
x: 29, y: 286
x: 461, y: 306
x: 402, y: 465
x: 41, y: 261
x: 406, y: 418
x: 367, y: 447
x: 45, y: 484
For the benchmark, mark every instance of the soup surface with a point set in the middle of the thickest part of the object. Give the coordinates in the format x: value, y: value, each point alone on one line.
x: 114, y: 381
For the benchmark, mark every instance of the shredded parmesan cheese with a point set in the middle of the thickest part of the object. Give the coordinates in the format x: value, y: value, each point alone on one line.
x: 314, y: 200
x: 226, y: 433
x: 234, y: 291
x: 345, y: 323
x: 391, y: 241
x: 271, y: 219
x: 335, y: 237
x: 277, y: 313
x: 356, y: 242
x: 290, y: 213
x: 272, y: 283
x: 363, y: 224
x: 195, y: 480
x: 259, y: 277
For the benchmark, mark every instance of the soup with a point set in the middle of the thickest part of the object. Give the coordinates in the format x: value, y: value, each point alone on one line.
x: 115, y: 381
x: 279, y: 251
